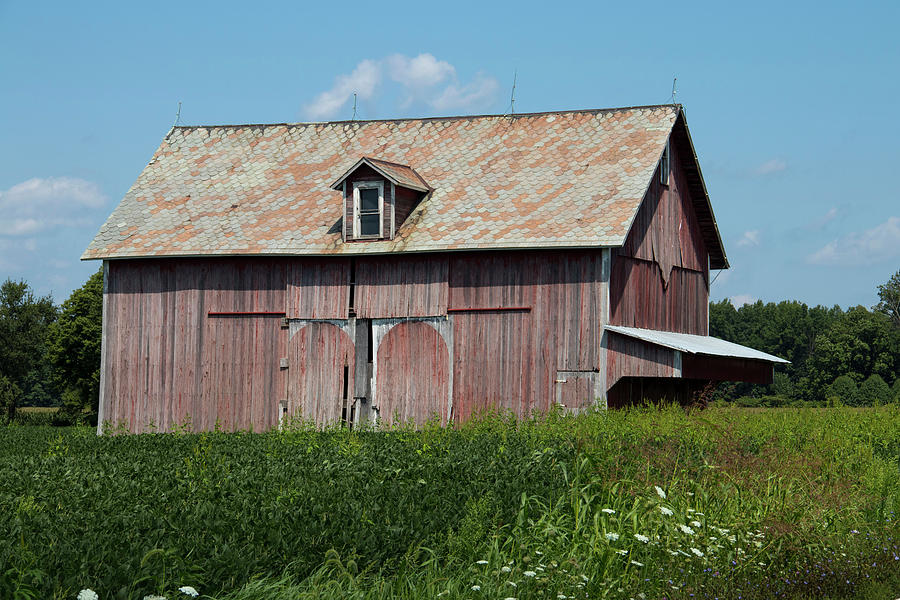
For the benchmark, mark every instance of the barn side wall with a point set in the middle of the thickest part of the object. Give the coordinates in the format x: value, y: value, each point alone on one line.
x: 201, y: 341
x: 660, y: 275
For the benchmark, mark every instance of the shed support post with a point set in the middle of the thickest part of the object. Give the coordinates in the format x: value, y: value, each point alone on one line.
x: 600, y: 385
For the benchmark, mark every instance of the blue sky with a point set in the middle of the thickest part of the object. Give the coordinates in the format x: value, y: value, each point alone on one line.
x: 793, y: 108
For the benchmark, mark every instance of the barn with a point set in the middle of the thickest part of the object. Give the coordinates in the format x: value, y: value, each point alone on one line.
x: 412, y: 269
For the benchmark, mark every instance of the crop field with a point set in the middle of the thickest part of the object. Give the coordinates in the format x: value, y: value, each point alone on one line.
x: 723, y: 503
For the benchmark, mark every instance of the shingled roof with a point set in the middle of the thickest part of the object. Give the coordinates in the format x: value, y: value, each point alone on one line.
x: 546, y: 180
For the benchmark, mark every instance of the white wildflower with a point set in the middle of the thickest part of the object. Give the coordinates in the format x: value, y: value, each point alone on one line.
x: 529, y: 573
x: 505, y: 569
x: 154, y: 597
x: 188, y: 591
x: 690, y: 511
x: 608, y: 511
x: 622, y: 552
x: 666, y: 511
x: 660, y: 492
x: 612, y: 536
x: 481, y: 562
x: 697, y: 552
x: 686, y: 529
x: 538, y: 552
x: 757, y: 544
x: 701, y: 514
x: 637, y: 564
x: 641, y: 538
x: 561, y: 597
x: 732, y: 539
x: 585, y: 577
x: 88, y: 594
x: 696, y: 524
x: 476, y: 588
x: 509, y: 598
x: 512, y: 583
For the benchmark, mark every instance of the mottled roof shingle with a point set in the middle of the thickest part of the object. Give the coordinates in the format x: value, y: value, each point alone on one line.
x: 548, y: 180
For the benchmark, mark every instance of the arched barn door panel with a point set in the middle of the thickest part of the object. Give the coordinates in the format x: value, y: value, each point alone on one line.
x: 413, y: 374
x: 320, y: 361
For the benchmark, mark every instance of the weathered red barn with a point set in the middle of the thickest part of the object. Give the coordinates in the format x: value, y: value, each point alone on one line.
x: 412, y: 268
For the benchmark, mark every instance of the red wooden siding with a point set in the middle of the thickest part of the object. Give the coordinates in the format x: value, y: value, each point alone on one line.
x: 639, y: 298
x: 722, y: 368
x: 413, y: 286
x: 168, y: 361
x: 576, y: 390
x: 413, y: 374
x: 494, y: 364
x: 630, y: 357
x: 318, y: 288
x: 320, y: 356
x: 659, y: 278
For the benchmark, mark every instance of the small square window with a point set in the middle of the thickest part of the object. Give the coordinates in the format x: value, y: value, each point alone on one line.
x: 368, y: 209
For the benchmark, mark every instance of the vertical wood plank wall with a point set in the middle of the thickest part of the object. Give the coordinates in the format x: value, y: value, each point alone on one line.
x: 659, y: 277
x: 517, y: 318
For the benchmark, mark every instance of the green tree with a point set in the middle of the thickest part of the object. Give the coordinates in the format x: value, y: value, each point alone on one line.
x: 24, y: 320
x: 874, y: 391
x: 889, y: 296
x: 74, y: 345
x: 860, y: 343
x: 844, y: 388
x: 9, y: 396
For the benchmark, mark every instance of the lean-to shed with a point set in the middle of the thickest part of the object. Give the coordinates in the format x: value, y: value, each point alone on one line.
x: 410, y: 269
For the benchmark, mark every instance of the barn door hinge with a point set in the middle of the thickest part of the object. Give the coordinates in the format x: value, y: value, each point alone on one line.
x: 283, y: 363
x: 284, y: 323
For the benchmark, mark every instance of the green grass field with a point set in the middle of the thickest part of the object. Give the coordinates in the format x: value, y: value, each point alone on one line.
x: 724, y: 503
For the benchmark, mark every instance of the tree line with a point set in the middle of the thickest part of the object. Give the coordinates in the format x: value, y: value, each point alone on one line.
x: 837, y: 356
x: 50, y: 355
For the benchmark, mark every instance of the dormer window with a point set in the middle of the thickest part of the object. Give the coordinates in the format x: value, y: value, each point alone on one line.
x: 378, y: 197
x: 368, y: 209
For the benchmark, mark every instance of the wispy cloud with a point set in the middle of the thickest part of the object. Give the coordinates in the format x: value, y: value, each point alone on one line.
x: 872, y: 246
x: 421, y: 79
x: 741, y: 299
x: 775, y: 165
x: 39, y: 204
x: 750, y: 238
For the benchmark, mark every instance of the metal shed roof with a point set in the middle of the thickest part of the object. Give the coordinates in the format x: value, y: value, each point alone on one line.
x: 694, y: 344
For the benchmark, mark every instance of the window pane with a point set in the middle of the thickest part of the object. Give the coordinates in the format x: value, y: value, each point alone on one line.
x: 368, y: 199
x: 368, y: 225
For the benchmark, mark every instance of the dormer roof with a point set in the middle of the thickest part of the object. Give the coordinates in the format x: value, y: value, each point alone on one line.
x: 569, y: 179
x: 402, y: 175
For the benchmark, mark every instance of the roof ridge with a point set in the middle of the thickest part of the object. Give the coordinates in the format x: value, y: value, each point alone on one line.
x: 446, y: 118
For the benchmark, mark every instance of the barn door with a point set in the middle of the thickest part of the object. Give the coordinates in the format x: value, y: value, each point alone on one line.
x: 320, y: 359
x: 577, y: 390
x: 413, y: 376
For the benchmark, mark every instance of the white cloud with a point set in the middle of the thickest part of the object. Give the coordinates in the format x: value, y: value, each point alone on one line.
x: 742, y: 299
x: 38, y: 204
x: 750, y: 238
x: 775, y: 165
x: 423, y: 79
x: 875, y: 245
x: 476, y: 94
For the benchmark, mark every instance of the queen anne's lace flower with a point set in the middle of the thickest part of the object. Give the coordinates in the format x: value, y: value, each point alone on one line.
x: 697, y: 552
x: 696, y: 524
x: 641, y: 538
x: 476, y: 588
x: 88, y: 594
x: 660, y: 492
x: 481, y: 562
x: 188, y: 591
x: 154, y: 597
x: 612, y: 536
x: 666, y: 511
x: 529, y: 573
x: 686, y: 529
x: 608, y: 511
x: 505, y: 569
